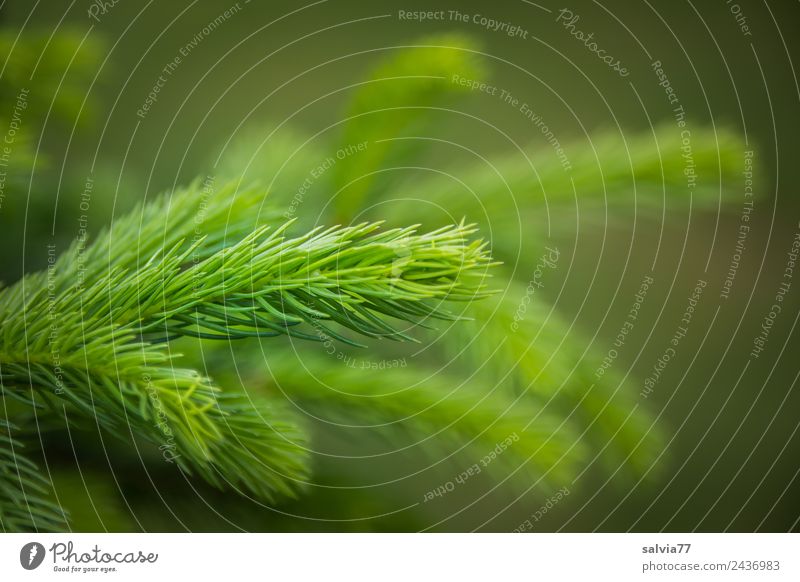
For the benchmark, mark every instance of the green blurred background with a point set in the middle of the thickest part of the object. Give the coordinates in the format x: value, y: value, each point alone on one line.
x: 731, y: 451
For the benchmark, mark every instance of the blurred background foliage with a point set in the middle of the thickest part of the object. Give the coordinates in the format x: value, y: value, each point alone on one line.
x: 269, y: 99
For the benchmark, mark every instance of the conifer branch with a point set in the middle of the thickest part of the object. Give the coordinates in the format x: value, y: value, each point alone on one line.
x: 532, y: 352
x: 24, y: 490
x: 106, y: 312
x: 402, y: 92
x: 642, y: 173
x: 441, y: 414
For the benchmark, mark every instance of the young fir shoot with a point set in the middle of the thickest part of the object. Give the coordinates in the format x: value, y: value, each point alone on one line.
x: 90, y: 336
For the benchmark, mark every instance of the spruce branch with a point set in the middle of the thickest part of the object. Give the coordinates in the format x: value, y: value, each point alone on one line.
x: 440, y: 413
x: 132, y: 389
x: 267, y: 282
x: 201, y: 216
x: 536, y: 354
x: 535, y: 357
x: 108, y: 310
x: 401, y: 92
x: 24, y: 491
x: 643, y: 172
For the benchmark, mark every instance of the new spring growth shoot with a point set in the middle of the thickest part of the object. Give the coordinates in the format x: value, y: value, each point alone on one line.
x: 108, y: 312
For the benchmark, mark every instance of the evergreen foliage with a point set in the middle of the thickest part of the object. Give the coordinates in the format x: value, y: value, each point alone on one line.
x: 115, y: 333
x: 536, y: 367
x: 97, y: 337
x: 24, y: 491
